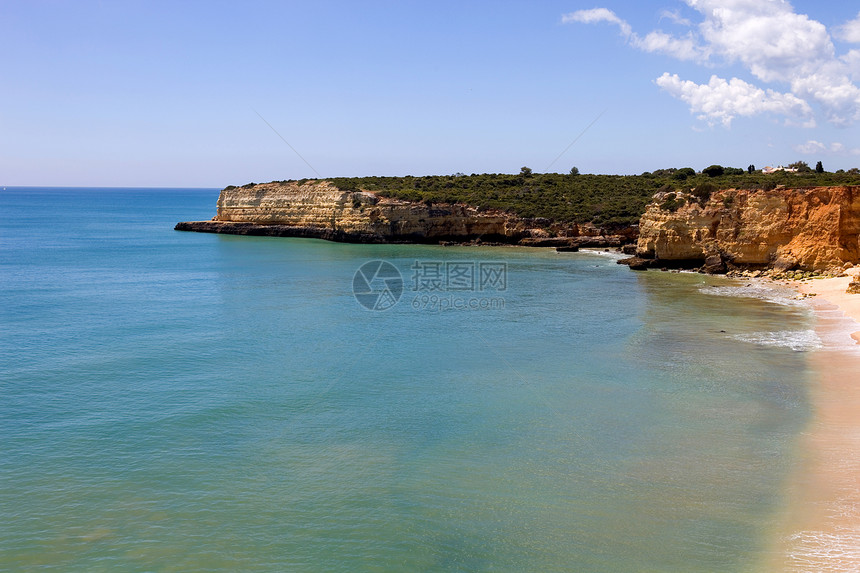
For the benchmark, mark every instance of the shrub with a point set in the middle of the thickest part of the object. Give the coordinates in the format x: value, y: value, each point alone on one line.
x: 714, y: 170
x: 585, y: 198
x: 683, y: 173
x: 703, y: 192
x: 672, y: 203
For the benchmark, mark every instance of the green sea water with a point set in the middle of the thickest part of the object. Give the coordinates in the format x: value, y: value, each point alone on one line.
x: 188, y: 402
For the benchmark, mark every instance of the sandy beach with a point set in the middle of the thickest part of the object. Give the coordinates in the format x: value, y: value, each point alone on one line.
x: 833, y: 291
x: 822, y: 530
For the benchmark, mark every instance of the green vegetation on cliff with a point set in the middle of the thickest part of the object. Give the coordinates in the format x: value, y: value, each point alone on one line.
x: 598, y: 199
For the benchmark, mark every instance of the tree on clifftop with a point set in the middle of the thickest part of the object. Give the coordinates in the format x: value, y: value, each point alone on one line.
x: 683, y: 173
x: 819, y: 168
x: 751, y: 169
x: 525, y: 171
x: 714, y: 170
x: 801, y: 166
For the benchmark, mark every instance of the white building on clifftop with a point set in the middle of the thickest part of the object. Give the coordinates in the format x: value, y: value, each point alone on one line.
x: 768, y: 170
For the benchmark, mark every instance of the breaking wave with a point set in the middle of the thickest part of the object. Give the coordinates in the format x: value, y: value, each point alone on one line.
x: 797, y: 340
x: 783, y: 297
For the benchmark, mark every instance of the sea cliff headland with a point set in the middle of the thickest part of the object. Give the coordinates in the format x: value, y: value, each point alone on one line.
x: 752, y: 228
x: 319, y: 209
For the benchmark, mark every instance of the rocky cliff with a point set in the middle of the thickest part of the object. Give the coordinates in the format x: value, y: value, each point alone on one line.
x: 358, y: 214
x: 808, y: 229
x: 319, y: 209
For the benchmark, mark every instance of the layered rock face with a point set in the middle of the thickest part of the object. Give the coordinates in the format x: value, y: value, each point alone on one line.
x: 357, y: 214
x: 809, y: 229
x: 318, y: 209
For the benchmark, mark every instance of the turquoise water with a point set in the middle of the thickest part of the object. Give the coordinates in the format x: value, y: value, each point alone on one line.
x: 178, y: 401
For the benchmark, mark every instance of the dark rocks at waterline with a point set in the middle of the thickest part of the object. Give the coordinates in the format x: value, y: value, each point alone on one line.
x: 547, y: 242
x: 581, y: 242
x: 637, y: 263
x: 254, y: 229
x: 714, y: 265
x: 280, y: 230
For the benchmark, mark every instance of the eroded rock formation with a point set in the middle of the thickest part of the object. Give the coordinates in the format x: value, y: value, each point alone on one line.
x: 808, y: 229
x: 321, y: 210
x: 360, y: 214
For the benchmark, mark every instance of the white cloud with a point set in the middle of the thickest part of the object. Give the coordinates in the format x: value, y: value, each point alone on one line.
x: 775, y: 44
x: 675, y: 17
x: 597, y: 15
x: 685, y: 48
x: 852, y: 60
x: 850, y: 31
x: 813, y: 147
x: 722, y: 100
x: 766, y: 36
x: 837, y: 95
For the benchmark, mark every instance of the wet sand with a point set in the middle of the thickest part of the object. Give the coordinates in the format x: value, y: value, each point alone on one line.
x: 821, y: 530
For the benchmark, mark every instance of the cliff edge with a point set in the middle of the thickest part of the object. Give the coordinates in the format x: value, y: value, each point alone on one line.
x: 810, y: 229
x: 319, y: 209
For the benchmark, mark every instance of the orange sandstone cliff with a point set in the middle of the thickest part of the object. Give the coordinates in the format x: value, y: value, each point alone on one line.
x: 808, y: 229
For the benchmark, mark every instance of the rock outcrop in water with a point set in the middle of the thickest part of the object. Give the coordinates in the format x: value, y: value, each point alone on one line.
x: 318, y: 209
x: 782, y: 229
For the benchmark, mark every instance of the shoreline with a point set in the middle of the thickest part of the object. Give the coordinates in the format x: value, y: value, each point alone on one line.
x: 326, y: 233
x: 821, y: 526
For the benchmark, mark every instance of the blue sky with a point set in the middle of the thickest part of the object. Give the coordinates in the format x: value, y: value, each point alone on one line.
x: 168, y: 94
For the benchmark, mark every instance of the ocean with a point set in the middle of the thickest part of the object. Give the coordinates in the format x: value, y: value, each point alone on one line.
x: 177, y: 401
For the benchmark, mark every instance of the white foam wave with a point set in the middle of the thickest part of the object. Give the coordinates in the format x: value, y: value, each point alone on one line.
x: 783, y: 297
x: 836, y: 329
x: 819, y: 551
x: 797, y: 340
x: 603, y: 253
